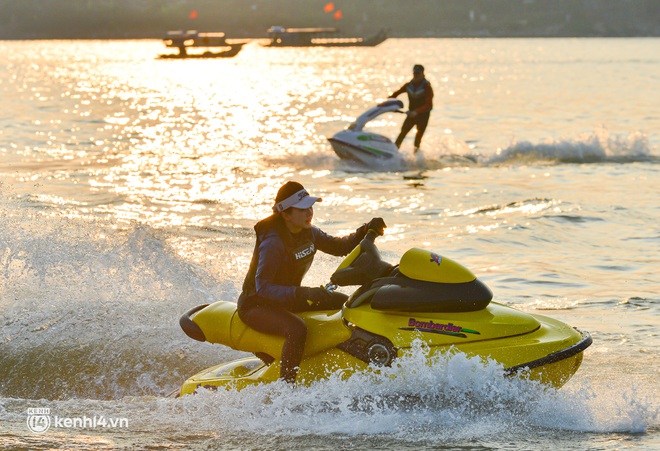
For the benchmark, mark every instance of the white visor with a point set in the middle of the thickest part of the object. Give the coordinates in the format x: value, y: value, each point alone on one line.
x: 301, y: 200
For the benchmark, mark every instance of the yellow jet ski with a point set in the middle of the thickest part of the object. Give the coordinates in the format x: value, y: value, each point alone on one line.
x: 425, y: 297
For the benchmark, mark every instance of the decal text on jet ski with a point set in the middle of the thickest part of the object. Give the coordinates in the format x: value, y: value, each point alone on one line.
x: 438, y: 328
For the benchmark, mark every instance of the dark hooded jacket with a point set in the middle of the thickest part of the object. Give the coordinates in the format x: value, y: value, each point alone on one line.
x: 420, y: 97
x: 281, y: 260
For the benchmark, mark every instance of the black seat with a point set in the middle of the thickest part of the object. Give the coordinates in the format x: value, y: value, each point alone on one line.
x: 401, y: 293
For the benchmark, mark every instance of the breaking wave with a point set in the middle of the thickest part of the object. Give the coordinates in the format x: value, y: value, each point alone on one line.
x: 598, y: 147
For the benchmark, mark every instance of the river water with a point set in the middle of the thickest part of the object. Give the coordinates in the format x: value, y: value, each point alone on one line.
x: 129, y: 187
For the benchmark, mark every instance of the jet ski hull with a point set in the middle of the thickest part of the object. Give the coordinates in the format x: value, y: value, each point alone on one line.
x: 364, y: 147
x: 426, y: 298
x: 551, y: 353
x: 374, y: 153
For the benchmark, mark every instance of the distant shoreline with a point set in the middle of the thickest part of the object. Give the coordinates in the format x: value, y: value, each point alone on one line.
x: 151, y: 19
x: 157, y: 38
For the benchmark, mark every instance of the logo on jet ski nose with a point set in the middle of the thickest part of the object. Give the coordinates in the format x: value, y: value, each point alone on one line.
x: 435, y: 258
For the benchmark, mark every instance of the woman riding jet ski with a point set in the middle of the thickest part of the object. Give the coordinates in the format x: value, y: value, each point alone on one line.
x: 425, y: 297
x: 286, y: 244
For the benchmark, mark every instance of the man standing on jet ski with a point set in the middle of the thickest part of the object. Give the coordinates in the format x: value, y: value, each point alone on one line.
x: 285, y: 248
x: 420, y: 104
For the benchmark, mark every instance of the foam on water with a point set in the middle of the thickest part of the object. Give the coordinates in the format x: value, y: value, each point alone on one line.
x: 597, y: 147
x: 454, y: 400
x: 83, y: 304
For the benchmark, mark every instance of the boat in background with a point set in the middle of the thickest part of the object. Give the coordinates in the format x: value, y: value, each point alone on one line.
x: 184, y: 40
x: 319, y: 37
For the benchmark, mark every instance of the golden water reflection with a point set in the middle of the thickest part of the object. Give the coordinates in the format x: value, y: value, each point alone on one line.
x: 206, y: 143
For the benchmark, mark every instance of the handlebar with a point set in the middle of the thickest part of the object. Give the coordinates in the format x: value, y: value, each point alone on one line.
x: 362, y: 265
x: 330, y: 287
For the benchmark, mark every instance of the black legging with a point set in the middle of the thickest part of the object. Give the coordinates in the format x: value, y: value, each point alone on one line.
x: 256, y: 313
x: 277, y: 321
x: 421, y: 121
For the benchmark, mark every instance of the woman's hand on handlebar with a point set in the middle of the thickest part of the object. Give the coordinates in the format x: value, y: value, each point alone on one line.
x: 314, y: 294
x: 377, y: 225
x: 315, y: 298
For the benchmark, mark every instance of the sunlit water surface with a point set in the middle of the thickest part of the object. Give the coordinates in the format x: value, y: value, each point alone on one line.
x: 130, y: 186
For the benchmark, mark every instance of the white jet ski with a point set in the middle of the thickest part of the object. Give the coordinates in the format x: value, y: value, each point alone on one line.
x: 365, y: 147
